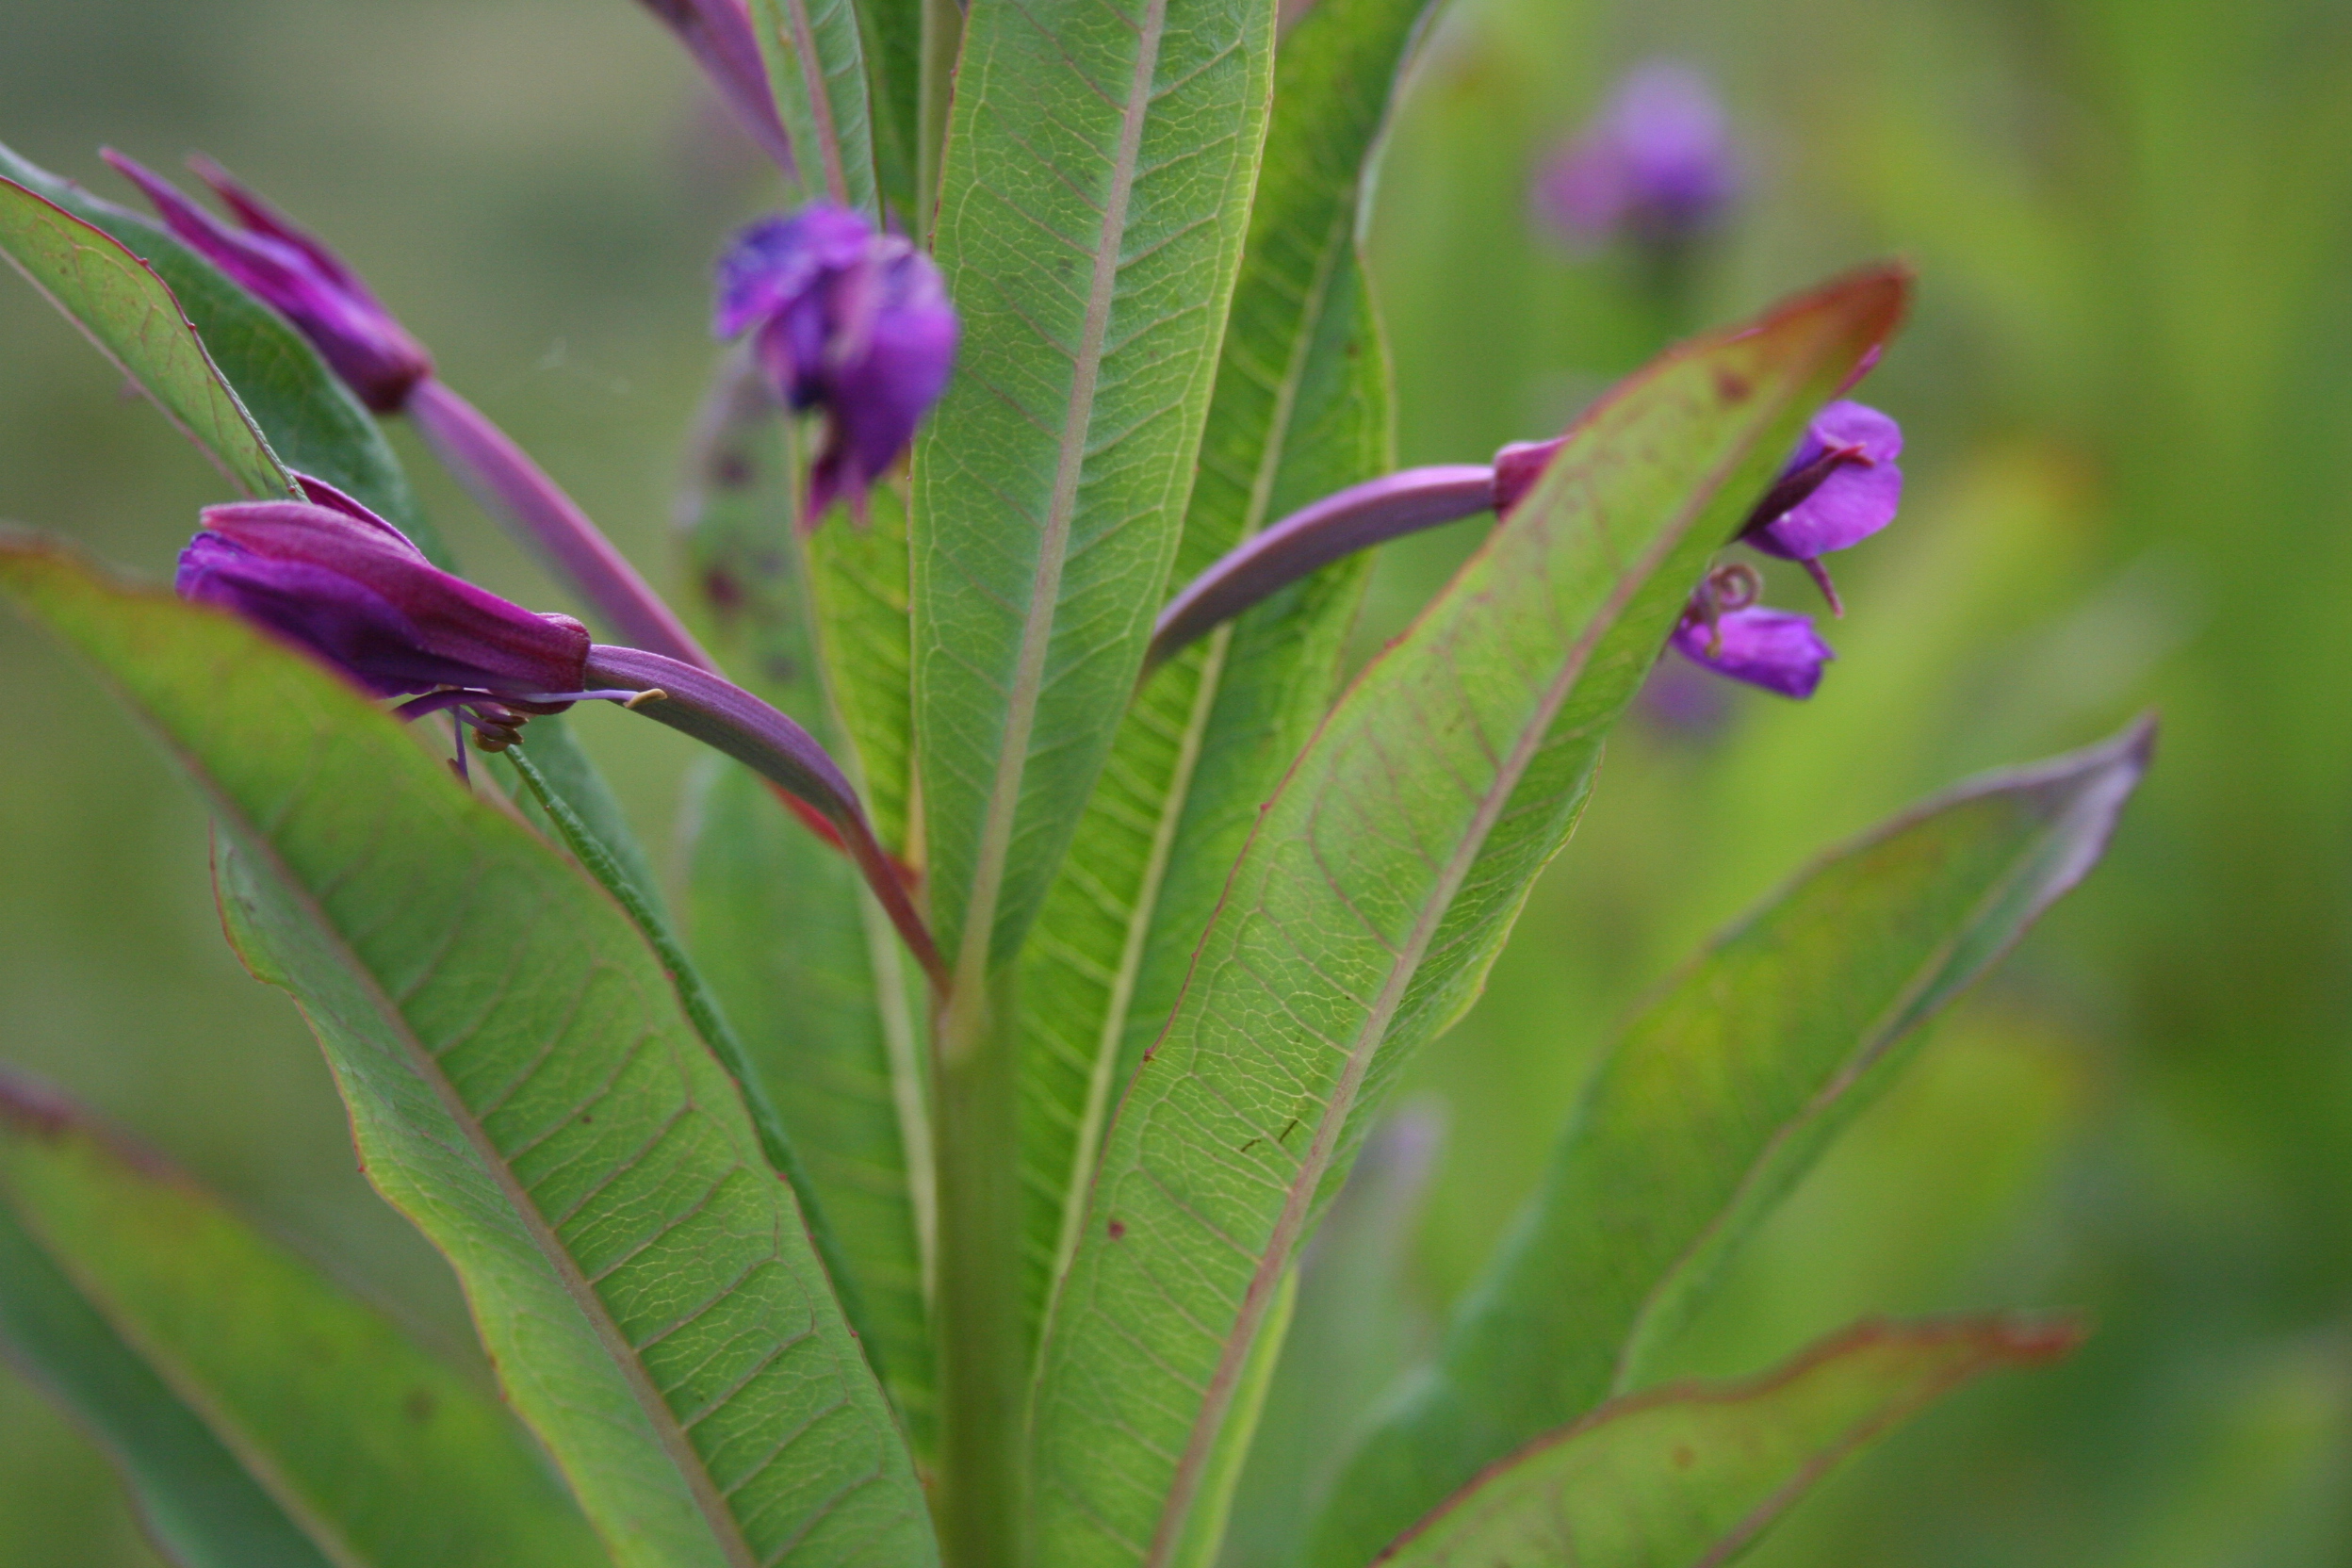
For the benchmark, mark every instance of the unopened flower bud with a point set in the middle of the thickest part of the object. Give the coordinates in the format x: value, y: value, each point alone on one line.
x: 332, y: 577
x: 290, y: 271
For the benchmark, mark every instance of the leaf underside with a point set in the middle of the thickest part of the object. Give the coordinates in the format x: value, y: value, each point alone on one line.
x: 1300, y: 409
x: 1717, y: 1098
x: 1371, y: 898
x: 1687, y: 1476
x: 1097, y: 179
x: 526, y: 1089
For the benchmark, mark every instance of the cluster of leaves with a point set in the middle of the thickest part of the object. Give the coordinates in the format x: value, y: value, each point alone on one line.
x: 777, y: 1255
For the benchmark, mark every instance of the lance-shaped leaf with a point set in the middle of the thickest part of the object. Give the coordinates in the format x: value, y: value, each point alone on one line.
x: 129, y: 313
x: 1300, y: 408
x: 1099, y: 167
x: 1372, y: 896
x: 1687, y: 1476
x: 309, y: 417
x: 809, y: 975
x: 261, y: 1415
x: 858, y: 579
x: 1719, y: 1095
x: 526, y: 1089
x: 817, y: 70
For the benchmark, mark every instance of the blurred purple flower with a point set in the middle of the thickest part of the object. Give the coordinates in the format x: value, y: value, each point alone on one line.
x: 1655, y: 163
x: 1840, y: 488
x: 291, y: 270
x: 332, y: 577
x: 849, y: 320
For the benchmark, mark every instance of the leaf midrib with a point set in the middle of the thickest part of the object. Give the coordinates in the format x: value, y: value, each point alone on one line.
x: 1199, y: 1444
x: 1144, y: 912
x: 663, y: 1421
x: 819, y: 105
x: 996, y: 828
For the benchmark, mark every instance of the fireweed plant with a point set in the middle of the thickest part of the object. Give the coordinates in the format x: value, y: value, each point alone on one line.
x: 929, y: 1183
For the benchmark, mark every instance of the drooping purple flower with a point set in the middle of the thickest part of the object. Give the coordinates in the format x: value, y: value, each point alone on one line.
x: 1775, y: 649
x: 1841, y: 486
x: 1724, y: 629
x: 848, y: 321
x: 331, y: 576
x: 1655, y: 163
x: 291, y: 270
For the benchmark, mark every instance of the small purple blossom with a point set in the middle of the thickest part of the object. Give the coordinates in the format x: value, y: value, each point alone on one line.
x: 291, y: 270
x: 849, y: 320
x: 334, y: 579
x: 1655, y: 163
x: 1841, y: 486
x: 1724, y: 629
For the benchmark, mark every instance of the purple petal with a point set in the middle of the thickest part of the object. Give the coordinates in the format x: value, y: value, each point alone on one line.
x: 1775, y: 649
x: 878, y: 400
x: 342, y: 566
x: 776, y: 261
x: 1842, y: 486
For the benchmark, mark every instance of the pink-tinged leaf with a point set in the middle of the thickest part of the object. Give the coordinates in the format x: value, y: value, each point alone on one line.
x: 1372, y: 897
x: 1687, y: 1476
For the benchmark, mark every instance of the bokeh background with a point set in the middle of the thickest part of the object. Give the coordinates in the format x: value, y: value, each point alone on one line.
x: 2128, y: 391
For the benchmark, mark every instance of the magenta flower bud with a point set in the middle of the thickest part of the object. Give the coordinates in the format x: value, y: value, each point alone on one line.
x: 1775, y: 649
x: 848, y: 321
x: 331, y: 576
x: 1655, y: 163
x: 291, y: 270
x: 720, y: 35
x: 1841, y: 486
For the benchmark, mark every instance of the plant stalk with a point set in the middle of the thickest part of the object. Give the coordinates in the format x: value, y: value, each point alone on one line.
x: 980, y: 1498
x: 943, y: 42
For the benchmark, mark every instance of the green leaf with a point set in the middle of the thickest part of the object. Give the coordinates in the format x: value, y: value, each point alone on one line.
x: 525, y: 1088
x: 129, y: 313
x: 1098, y: 169
x: 1300, y: 408
x: 817, y: 70
x: 1374, y: 894
x: 310, y: 419
x: 806, y: 965
x: 200, y: 1507
x: 262, y: 1414
x: 892, y: 34
x: 1714, y: 1101
x: 859, y: 580
x: 1687, y: 1476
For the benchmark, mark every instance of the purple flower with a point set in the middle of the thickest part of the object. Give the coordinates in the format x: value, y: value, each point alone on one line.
x: 1841, y: 486
x: 1724, y: 629
x: 1655, y: 163
x: 289, y: 270
x: 1775, y: 649
x: 332, y: 577
x: 848, y: 321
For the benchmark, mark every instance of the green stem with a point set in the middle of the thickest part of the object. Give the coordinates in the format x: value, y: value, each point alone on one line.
x: 942, y: 41
x: 983, y: 1341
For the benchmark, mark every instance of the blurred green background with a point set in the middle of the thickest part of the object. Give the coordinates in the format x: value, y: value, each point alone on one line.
x: 2128, y: 392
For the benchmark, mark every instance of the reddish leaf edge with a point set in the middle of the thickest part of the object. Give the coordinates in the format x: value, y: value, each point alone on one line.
x: 2002, y: 1341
